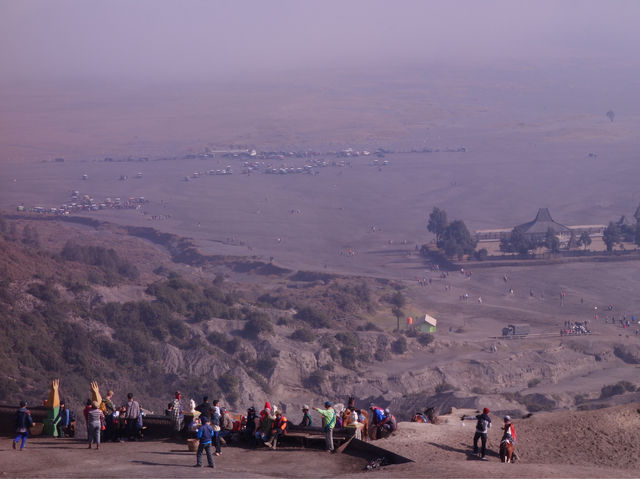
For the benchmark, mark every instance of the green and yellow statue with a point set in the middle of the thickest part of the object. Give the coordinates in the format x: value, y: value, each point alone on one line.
x: 53, y: 408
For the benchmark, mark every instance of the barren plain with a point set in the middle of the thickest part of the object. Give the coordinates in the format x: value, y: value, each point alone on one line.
x: 529, y: 142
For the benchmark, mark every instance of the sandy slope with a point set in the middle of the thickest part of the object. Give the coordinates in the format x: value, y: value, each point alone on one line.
x: 601, y: 443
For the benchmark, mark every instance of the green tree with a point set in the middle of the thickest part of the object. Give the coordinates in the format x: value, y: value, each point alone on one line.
x: 584, y: 240
x: 517, y: 243
x: 398, y: 302
x: 456, y: 240
x: 611, y: 236
x: 551, y: 241
x: 437, y: 222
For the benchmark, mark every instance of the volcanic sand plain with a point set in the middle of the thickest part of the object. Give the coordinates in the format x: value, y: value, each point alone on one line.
x: 513, y: 164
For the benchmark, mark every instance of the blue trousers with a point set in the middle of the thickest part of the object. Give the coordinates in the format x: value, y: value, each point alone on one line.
x: 23, y: 436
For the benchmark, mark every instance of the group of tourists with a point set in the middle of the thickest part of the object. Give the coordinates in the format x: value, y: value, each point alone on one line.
x: 107, y: 422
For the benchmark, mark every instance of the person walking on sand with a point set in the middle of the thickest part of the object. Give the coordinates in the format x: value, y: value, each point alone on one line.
x: 482, y: 428
x: 328, y: 423
x: 205, y: 435
x: 23, y: 423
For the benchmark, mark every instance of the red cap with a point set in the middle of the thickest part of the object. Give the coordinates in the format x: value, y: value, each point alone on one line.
x: 486, y: 410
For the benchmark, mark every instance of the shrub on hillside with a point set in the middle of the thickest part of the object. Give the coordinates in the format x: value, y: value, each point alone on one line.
x: 257, y: 326
x: 425, y: 338
x: 284, y: 321
x: 348, y: 357
x: 275, y: 301
x: 537, y: 402
x: 313, y: 317
x: 399, y: 346
x: 347, y: 339
x: 616, y: 389
x: 305, y: 335
x: 44, y: 291
x: 266, y: 366
x: 368, y: 326
x: 106, y: 259
x: 444, y: 387
x: 229, y: 384
x: 315, y: 380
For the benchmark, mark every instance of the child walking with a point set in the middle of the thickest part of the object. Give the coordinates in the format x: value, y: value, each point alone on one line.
x: 205, y: 434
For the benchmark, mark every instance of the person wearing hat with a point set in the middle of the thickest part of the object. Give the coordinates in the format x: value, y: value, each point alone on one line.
x: 328, y: 423
x: 95, y: 422
x: 306, y: 417
x: 483, y: 425
x: 177, y: 413
x: 509, y: 433
x: 205, y: 435
x: 251, y: 426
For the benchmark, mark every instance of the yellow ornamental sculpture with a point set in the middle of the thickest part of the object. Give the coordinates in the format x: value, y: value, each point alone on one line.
x: 95, y: 392
x: 53, y: 408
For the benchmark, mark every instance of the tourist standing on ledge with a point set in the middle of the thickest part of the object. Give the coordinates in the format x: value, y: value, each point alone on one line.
x: 328, y: 423
x: 482, y: 428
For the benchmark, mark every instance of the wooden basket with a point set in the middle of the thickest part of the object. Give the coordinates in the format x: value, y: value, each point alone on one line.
x: 193, y: 444
x: 36, y: 429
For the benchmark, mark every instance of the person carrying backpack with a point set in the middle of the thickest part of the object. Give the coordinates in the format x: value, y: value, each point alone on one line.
x: 483, y: 425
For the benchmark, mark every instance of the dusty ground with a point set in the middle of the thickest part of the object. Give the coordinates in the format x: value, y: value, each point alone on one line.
x: 595, y: 444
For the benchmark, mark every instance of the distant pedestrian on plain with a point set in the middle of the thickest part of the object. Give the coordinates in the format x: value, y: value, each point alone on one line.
x: 23, y: 423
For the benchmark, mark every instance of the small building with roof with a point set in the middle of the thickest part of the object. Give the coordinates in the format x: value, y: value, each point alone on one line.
x: 427, y: 324
x: 537, y: 229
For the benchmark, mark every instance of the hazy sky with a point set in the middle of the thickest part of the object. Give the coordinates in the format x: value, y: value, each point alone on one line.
x: 160, y: 39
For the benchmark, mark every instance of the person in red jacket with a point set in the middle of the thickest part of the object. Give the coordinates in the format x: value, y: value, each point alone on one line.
x: 509, y: 434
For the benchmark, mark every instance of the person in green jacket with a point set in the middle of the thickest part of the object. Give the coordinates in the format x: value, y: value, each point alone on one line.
x: 328, y: 423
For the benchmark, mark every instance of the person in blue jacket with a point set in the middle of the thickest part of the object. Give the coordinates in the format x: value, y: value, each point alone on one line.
x: 23, y: 423
x: 205, y: 434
